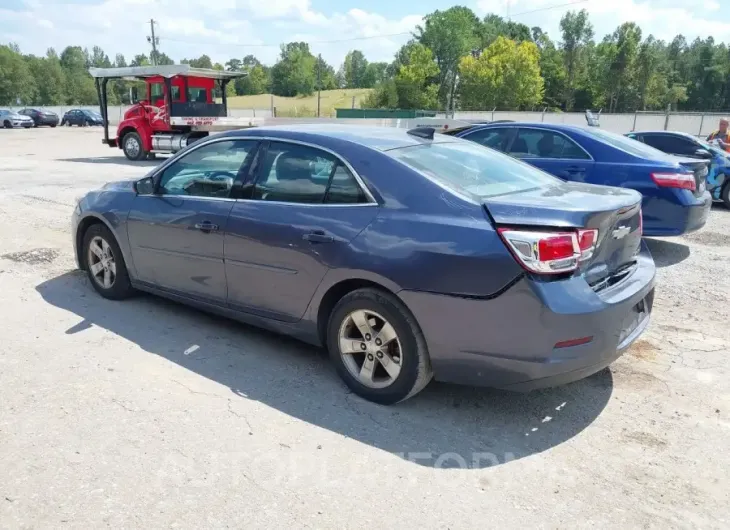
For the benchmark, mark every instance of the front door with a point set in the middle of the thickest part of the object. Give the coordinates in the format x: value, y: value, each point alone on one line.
x: 176, y: 235
x: 554, y: 153
x: 303, y: 210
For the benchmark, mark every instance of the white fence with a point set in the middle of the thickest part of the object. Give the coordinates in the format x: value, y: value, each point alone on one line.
x: 697, y: 123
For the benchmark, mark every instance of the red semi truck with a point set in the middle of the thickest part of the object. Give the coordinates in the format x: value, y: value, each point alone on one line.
x: 178, y: 108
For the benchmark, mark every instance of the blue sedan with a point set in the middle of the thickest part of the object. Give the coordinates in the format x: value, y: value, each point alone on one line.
x: 407, y: 256
x: 675, y: 200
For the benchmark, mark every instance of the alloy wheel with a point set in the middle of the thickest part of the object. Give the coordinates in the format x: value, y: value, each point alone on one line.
x: 370, y: 348
x: 101, y: 262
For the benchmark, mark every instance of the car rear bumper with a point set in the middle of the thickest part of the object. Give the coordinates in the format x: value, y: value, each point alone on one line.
x: 510, y: 341
x: 662, y: 218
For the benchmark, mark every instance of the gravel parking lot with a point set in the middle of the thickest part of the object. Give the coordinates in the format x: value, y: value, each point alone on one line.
x: 147, y: 414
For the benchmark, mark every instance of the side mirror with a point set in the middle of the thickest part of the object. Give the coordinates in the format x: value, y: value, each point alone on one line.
x: 145, y: 186
x: 703, y: 153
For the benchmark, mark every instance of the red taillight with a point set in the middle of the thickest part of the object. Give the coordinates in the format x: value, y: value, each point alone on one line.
x: 685, y: 181
x: 550, y: 252
x: 556, y: 247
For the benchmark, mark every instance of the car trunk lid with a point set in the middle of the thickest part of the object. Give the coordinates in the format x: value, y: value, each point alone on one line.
x: 614, y: 212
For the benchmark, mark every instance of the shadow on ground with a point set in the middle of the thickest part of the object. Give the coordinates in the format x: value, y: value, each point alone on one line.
x: 114, y: 160
x: 667, y: 253
x: 445, y: 426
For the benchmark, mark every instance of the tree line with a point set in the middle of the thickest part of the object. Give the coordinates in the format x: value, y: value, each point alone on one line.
x: 454, y: 60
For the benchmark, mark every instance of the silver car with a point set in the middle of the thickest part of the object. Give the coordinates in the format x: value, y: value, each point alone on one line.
x: 10, y: 119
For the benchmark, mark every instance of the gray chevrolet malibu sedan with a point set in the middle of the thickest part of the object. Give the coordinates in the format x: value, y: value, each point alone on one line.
x: 407, y: 254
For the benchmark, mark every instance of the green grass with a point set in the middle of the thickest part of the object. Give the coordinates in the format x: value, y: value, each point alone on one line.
x: 303, y: 106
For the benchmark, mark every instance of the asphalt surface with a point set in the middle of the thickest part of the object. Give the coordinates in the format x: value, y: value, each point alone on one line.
x: 147, y: 414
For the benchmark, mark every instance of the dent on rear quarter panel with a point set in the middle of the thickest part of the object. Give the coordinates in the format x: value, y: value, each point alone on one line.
x: 449, y: 255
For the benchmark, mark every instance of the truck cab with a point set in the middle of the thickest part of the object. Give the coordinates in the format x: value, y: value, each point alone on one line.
x: 177, y: 108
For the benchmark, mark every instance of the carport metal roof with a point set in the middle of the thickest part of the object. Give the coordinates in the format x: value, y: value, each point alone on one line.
x: 168, y: 70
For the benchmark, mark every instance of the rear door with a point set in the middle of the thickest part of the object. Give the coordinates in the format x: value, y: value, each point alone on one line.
x: 176, y: 235
x: 302, y: 211
x: 553, y: 152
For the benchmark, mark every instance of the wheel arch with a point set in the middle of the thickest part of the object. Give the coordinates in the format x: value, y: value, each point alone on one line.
x: 86, y: 223
x: 328, y: 297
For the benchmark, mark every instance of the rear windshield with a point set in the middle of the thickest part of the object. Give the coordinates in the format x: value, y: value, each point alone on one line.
x: 633, y: 147
x: 467, y: 167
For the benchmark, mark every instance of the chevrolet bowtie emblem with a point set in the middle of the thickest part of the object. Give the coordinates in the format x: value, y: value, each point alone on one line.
x: 620, y: 232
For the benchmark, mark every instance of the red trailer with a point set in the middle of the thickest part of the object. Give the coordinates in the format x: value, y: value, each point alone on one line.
x: 178, y: 108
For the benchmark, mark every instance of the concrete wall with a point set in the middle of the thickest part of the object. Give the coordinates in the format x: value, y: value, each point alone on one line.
x: 693, y: 123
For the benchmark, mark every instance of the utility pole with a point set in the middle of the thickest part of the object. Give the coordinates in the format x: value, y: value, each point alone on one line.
x: 154, y: 41
x: 319, y: 82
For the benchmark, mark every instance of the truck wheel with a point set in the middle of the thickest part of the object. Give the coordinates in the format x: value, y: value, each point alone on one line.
x: 132, y: 147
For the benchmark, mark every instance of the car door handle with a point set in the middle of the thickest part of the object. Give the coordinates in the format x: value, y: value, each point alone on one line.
x: 318, y: 236
x: 206, y: 226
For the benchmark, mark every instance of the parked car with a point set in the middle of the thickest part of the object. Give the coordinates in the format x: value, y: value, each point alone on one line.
x: 10, y: 119
x: 410, y: 256
x: 686, y: 145
x: 41, y: 117
x: 675, y: 200
x: 82, y: 118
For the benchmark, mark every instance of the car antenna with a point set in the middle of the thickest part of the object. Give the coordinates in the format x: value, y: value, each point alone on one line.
x: 422, y: 132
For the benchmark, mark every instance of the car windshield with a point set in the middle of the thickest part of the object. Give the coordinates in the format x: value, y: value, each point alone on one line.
x: 467, y: 167
x: 619, y: 141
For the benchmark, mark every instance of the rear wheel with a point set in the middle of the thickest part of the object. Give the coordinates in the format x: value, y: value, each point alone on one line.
x: 105, y: 264
x: 132, y: 146
x: 378, y: 347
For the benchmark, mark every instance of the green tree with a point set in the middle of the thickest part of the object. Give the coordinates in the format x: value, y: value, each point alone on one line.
x: 140, y: 60
x: 505, y: 75
x: 450, y: 35
x: 294, y: 73
x: 201, y: 62
x: 416, y: 81
x: 552, y: 68
x: 326, y: 75
x: 577, y: 35
x: 160, y: 58
x: 16, y: 79
x: 383, y: 96
x: 375, y: 73
x: 495, y: 26
x: 80, y: 87
x: 354, y: 69
x: 621, y: 52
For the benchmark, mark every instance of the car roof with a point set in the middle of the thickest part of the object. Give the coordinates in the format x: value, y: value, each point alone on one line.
x: 564, y: 127
x: 380, y: 138
x: 668, y: 133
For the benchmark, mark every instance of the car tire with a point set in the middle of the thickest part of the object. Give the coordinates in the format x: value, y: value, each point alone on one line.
x: 104, y: 263
x: 725, y: 194
x: 7, y: 124
x: 130, y: 140
x: 53, y: 125
x: 405, y: 352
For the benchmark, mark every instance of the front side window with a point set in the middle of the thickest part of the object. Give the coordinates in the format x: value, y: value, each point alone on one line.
x: 468, y: 168
x: 208, y: 171
x: 303, y: 174
x: 157, y: 91
x: 670, y: 144
x: 494, y: 138
x: 536, y: 143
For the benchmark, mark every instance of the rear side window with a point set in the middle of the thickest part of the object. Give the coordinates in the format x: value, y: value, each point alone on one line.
x: 468, y: 168
x: 536, y: 143
x: 625, y: 144
x: 302, y: 174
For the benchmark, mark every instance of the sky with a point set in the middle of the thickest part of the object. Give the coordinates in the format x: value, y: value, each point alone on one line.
x: 235, y: 28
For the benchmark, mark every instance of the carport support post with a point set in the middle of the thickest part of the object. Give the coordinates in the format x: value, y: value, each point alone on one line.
x: 101, y: 93
x: 666, y: 117
x: 633, y: 127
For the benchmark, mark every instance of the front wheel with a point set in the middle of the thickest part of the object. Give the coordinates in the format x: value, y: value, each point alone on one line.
x: 378, y: 347
x: 105, y: 264
x: 132, y: 146
x: 7, y: 125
